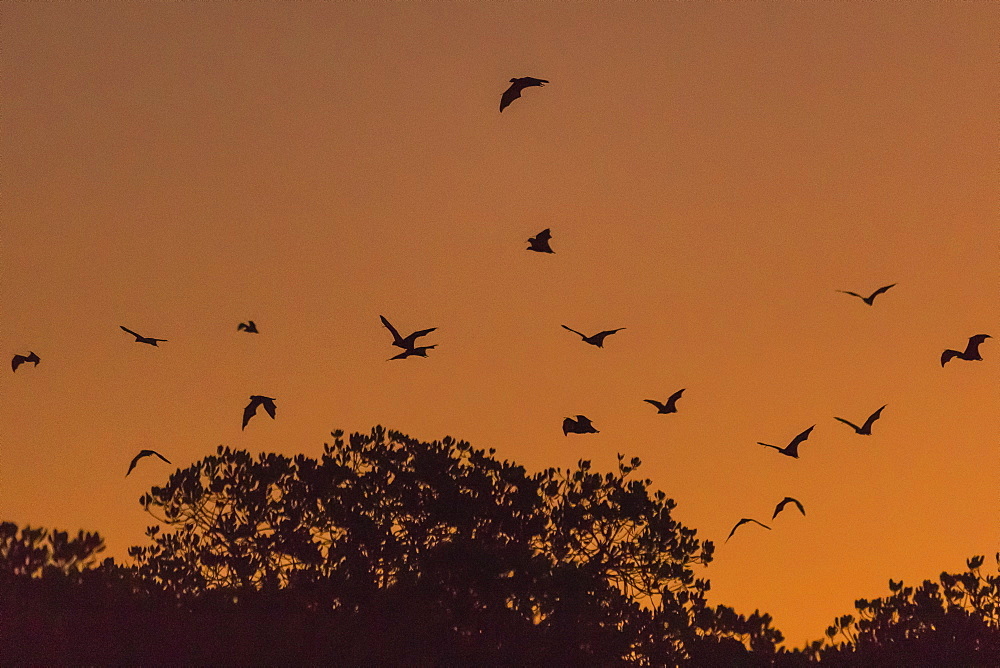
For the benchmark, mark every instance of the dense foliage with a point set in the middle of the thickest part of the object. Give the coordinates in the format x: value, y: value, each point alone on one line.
x: 559, y: 563
x: 392, y: 551
x: 33, y: 553
x: 952, y: 622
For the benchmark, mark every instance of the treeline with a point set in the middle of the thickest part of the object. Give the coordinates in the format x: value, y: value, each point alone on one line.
x: 392, y: 551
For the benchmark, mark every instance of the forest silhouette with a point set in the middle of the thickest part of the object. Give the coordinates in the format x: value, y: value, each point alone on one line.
x: 388, y: 550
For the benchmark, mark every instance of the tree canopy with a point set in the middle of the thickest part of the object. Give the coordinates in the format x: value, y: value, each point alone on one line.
x: 952, y: 622
x: 36, y: 552
x: 564, y: 561
x: 387, y: 550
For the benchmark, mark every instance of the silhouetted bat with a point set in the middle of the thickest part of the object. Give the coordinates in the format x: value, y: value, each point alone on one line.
x: 407, y: 341
x: 870, y: 299
x: 792, y: 449
x: 742, y: 522
x: 249, y: 327
x: 21, y: 359
x: 784, y: 502
x: 540, y: 242
x: 670, y: 406
x: 516, y: 86
x: 596, y: 339
x: 581, y: 425
x: 866, y: 428
x: 971, y: 350
x: 251, y: 409
x: 144, y: 453
x: 139, y: 338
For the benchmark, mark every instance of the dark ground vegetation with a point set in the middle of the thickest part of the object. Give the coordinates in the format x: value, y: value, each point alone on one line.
x: 392, y: 551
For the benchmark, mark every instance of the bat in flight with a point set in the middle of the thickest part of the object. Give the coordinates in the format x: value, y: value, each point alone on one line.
x: 540, y: 242
x: 21, y: 359
x: 144, y: 453
x: 581, y: 425
x: 741, y: 523
x: 792, y: 449
x: 971, y: 350
x: 595, y: 339
x: 251, y: 409
x: 139, y: 338
x: 870, y: 299
x: 866, y: 428
x: 516, y: 86
x: 406, y: 342
x: 784, y: 502
x: 250, y: 327
x: 670, y: 406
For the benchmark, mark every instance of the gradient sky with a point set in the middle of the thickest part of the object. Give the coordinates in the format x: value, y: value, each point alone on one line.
x: 712, y: 173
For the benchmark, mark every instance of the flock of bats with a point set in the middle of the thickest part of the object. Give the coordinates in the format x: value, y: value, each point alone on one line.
x: 580, y: 424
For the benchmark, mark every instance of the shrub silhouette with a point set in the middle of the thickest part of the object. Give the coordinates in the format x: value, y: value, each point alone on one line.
x: 952, y: 622
x: 55, y: 599
x: 33, y: 553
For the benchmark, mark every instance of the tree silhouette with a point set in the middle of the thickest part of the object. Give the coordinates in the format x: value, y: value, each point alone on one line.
x: 33, y: 553
x: 443, y: 547
x: 952, y: 622
x: 56, y: 601
x: 586, y: 600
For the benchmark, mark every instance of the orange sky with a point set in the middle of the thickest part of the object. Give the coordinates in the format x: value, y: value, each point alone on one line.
x: 711, y: 172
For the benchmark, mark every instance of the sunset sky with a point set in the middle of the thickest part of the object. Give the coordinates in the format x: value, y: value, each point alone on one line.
x: 712, y: 173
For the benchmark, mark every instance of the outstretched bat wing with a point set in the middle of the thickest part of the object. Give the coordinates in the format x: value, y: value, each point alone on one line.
x: 948, y: 354
x: 801, y: 437
x: 510, y: 95
x: 421, y: 332
x: 792, y: 449
x: 396, y: 338
x: 784, y: 502
x: 871, y: 419
x: 972, y: 347
x: 269, y: 407
x: 249, y: 412
x: 144, y: 453
x: 742, y: 522
x: 778, y: 508
x: 880, y: 291
x: 849, y: 424
x: 735, y: 527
